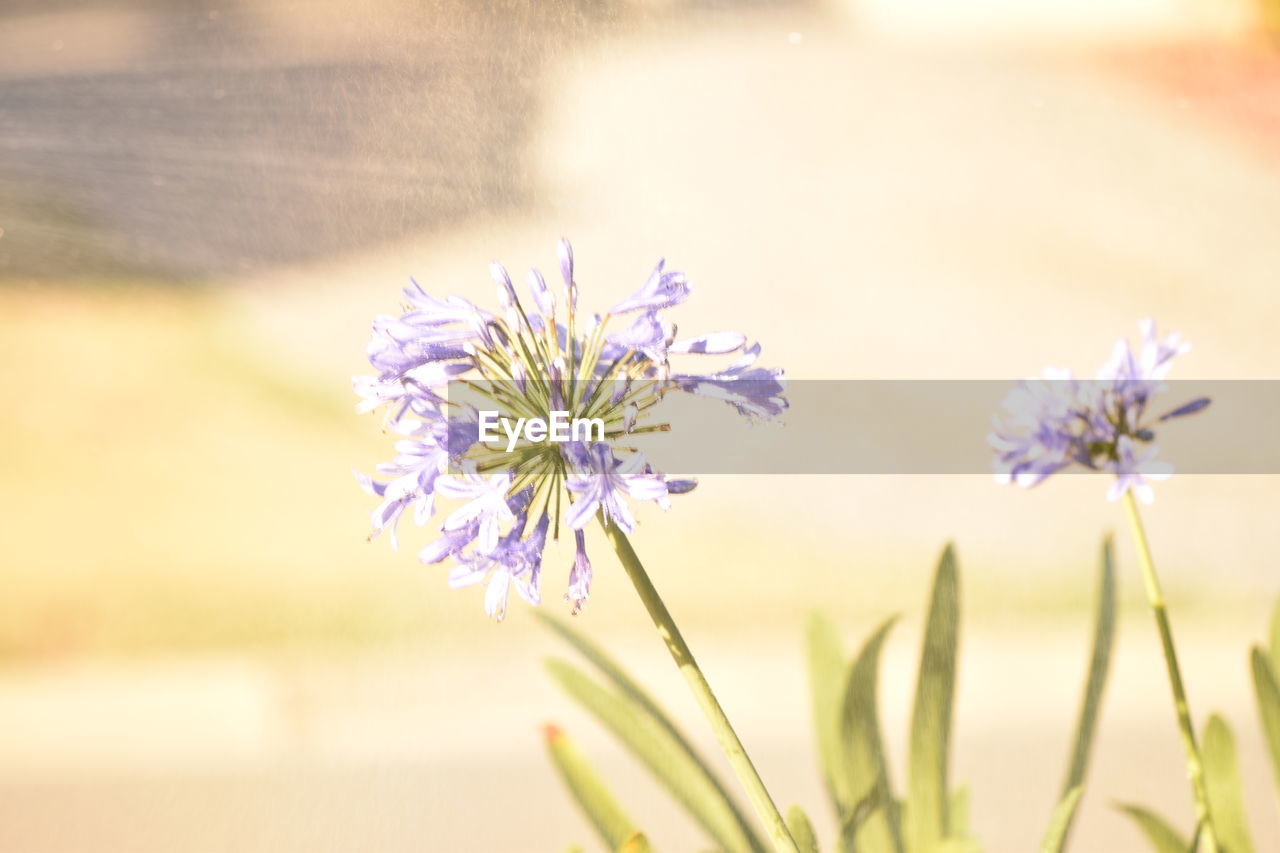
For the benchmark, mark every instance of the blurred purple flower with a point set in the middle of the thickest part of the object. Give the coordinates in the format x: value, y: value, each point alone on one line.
x: 1053, y: 422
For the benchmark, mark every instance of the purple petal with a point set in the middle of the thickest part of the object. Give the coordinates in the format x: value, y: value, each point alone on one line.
x: 1186, y: 409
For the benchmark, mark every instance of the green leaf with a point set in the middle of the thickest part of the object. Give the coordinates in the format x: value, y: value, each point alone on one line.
x: 1055, y: 838
x: 614, y: 672
x: 802, y: 830
x: 631, y: 689
x: 857, y: 816
x: 1104, y: 628
x: 827, y: 674
x: 957, y: 845
x: 1275, y: 636
x: 1222, y: 781
x: 1267, y: 689
x: 867, y: 766
x: 927, y: 813
x: 959, y: 810
x: 657, y: 749
x: 601, y: 809
x: 1162, y: 837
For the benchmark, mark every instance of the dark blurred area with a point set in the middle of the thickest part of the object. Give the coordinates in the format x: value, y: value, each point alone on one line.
x: 193, y: 139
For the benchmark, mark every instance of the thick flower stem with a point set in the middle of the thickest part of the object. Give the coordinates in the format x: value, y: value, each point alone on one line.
x: 1195, y: 766
x: 680, y: 653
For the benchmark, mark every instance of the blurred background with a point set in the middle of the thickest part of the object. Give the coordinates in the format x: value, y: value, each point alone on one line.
x: 203, y: 203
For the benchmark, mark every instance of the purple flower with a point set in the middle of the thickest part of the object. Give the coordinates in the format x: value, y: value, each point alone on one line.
x: 602, y: 483
x: 1053, y: 422
x: 717, y: 343
x: 1133, y: 466
x: 543, y: 297
x: 486, y: 505
x: 756, y: 392
x: 579, y: 575
x: 565, y: 251
x: 661, y: 290
x: 647, y: 335
x: 529, y: 360
x: 451, y: 543
x: 516, y: 561
x: 1153, y: 360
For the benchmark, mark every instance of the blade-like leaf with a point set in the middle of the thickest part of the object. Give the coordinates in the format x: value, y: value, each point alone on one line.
x: 1274, y: 644
x: 1267, y: 689
x: 1162, y: 837
x: 1222, y: 782
x: 857, y: 816
x: 827, y: 674
x: 802, y: 830
x: 1055, y: 838
x: 927, y: 813
x: 597, y: 657
x: 1104, y: 627
x: 630, y: 688
x: 867, y: 765
x: 601, y: 809
x: 654, y: 745
x: 959, y: 809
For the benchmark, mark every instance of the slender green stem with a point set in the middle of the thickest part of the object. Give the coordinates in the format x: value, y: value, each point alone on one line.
x: 680, y: 653
x: 1195, y: 766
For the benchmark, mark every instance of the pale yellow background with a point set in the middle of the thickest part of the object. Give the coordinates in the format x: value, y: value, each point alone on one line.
x: 199, y: 652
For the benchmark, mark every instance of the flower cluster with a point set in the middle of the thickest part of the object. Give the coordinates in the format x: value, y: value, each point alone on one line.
x: 532, y: 361
x: 1056, y: 421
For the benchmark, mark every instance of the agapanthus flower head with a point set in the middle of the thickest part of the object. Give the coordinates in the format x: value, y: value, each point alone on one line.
x: 532, y: 359
x: 1055, y: 421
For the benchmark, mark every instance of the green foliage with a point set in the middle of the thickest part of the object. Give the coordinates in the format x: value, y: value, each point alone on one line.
x: 1104, y: 627
x: 959, y: 810
x: 827, y: 673
x: 649, y: 708
x: 1274, y: 637
x: 1055, y: 838
x: 1222, y: 781
x: 928, y: 806
x: 1265, y: 664
x: 1162, y: 837
x: 933, y: 817
x: 802, y: 830
x: 1104, y: 624
x: 600, y: 807
x: 686, y: 778
x: 1221, y: 764
x: 1267, y: 689
x: 868, y: 771
x: 623, y: 682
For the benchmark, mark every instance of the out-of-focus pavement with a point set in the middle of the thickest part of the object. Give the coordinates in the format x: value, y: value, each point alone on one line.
x: 967, y: 208
x: 400, y: 751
